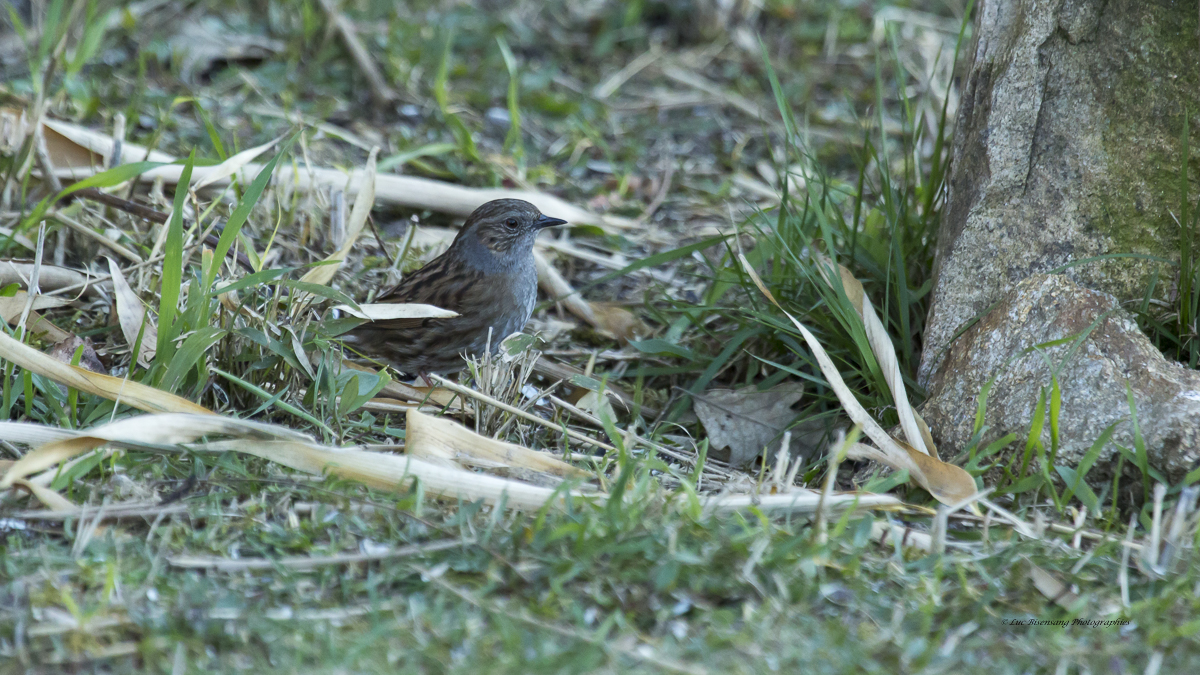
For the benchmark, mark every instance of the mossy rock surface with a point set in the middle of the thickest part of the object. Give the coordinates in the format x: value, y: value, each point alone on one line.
x: 1103, y: 365
x: 1068, y: 146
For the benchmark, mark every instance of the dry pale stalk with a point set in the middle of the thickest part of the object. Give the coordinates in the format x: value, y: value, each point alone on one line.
x: 380, y: 91
x: 437, y: 438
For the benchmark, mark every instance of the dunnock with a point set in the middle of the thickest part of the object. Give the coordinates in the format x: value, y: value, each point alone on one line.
x: 487, y: 276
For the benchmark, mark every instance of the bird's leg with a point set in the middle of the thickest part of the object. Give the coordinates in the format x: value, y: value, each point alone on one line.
x: 424, y: 375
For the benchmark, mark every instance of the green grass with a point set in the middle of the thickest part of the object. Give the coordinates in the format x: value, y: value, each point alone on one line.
x: 1175, y: 328
x: 646, y: 583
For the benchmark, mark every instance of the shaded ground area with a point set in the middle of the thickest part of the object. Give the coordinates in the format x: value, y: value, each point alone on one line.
x: 771, y: 129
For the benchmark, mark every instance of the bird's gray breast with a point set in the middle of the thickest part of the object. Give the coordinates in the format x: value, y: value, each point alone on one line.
x: 511, y: 309
x: 524, y: 298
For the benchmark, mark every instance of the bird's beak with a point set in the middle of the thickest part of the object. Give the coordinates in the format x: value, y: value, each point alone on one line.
x: 547, y: 221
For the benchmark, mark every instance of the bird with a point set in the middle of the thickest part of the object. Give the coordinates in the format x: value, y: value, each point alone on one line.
x: 487, y: 276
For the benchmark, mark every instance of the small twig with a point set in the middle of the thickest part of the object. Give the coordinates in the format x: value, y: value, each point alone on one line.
x: 379, y: 240
x: 95, y: 236
x: 154, y: 215
x: 661, y: 196
x: 132, y: 208
x: 134, y: 510
x: 32, y: 287
x: 457, y: 388
x: 1123, y: 575
x: 634, y: 438
x: 307, y: 562
x: 382, y: 93
x: 614, y: 81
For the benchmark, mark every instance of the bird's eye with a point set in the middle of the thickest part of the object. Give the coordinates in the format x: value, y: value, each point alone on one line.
x: 511, y: 223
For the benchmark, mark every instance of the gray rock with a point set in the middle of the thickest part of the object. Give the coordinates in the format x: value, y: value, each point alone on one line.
x: 1092, y: 380
x: 1067, y: 146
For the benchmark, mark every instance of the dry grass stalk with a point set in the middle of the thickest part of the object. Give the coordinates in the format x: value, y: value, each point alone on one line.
x: 885, y: 354
x: 946, y: 482
x: 88, y: 232
x: 113, y: 388
x: 887, y: 533
x: 311, y: 561
x: 111, y: 512
x: 50, y: 278
x: 837, y: 450
x: 407, y: 191
x: 436, y: 438
x: 502, y: 376
x: 277, y: 444
x: 583, y: 438
x: 798, y: 501
x: 380, y: 91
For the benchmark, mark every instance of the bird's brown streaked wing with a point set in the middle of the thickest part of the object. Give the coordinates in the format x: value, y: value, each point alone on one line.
x: 415, y: 284
x: 434, y: 284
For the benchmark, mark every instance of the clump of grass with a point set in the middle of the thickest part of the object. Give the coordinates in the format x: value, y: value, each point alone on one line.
x: 1175, y: 326
x: 644, y: 584
x: 882, y: 226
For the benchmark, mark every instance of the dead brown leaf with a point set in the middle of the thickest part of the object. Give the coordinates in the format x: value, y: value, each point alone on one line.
x: 617, y: 322
x: 949, y: 484
x: 64, y: 350
x: 132, y: 317
x: 11, y: 308
x: 746, y: 420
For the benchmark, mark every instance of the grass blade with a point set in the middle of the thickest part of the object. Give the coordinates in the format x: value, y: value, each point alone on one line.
x: 172, y: 275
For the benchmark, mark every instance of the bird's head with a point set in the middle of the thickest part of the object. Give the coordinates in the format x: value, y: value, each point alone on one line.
x: 505, y: 227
